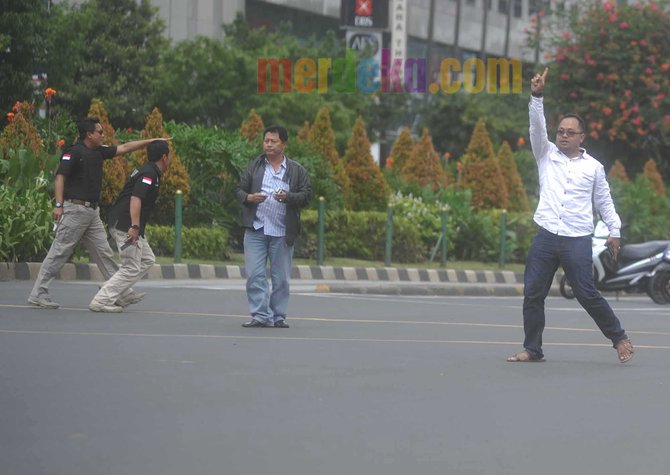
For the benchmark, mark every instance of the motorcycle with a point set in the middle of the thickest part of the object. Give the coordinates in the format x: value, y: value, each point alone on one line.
x: 641, y: 267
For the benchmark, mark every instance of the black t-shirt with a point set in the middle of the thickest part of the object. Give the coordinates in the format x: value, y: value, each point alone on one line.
x: 144, y: 184
x: 82, y: 168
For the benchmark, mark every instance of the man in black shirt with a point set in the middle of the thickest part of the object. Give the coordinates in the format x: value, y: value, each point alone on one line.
x: 77, y: 190
x: 127, y: 221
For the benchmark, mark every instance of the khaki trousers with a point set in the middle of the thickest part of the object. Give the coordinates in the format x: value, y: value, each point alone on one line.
x: 78, y: 223
x: 136, y: 260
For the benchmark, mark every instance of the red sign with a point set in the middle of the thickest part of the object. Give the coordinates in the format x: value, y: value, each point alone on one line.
x: 364, y: 7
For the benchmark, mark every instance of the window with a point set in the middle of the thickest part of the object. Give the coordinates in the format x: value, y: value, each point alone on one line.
x: 502, y: 6
x: 517, y: 8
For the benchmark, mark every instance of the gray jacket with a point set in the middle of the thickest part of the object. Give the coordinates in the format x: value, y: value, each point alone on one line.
x: 299, y: 193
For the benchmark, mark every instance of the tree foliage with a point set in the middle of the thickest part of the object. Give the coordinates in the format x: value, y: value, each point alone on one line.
x: 252, y: 127
x: 21, y: 131
x: 402, y: 150
x: 618, y: 172
x: 23, y: 47
x: 518, y: 201
x: 423, y: 166
x: 610, y: 63
x: 369, y: 190
x: 322, y: 137
x: 108, y: 50
x: 481, y: 172
x: 654, y: 177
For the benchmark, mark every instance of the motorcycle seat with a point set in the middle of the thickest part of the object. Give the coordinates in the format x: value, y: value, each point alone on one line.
x: 634, y: 252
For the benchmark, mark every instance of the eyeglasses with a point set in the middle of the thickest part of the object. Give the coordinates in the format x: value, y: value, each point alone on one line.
x: 569, y: 133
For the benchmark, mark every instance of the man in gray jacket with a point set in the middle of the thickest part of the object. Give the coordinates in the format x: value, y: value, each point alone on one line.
x: 273, y: 190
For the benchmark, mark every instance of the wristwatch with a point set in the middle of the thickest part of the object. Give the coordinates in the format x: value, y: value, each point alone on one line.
x: 59, y: 204
x: 134, y: 226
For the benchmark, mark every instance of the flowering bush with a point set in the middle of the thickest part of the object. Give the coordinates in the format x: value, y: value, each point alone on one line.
x: 612, y: 66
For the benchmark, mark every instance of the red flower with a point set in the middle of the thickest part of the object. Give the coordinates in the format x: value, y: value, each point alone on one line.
x: 607, y: 110
x: 560, y: 57
x: 60, y: 143
x: 665, y: 67
x: 521, y: 142
x: 648, y: 71
x: 608, y: 6
x: 594, y: 135
x: 573, y: 95
x: 565, y: 76
x: 48, y: 93
x: 613, y: 18
x: 10, y: 116
x: 623, y: 25
x: 389, y: 162
x: 636, y: 121
x: 16, y: 106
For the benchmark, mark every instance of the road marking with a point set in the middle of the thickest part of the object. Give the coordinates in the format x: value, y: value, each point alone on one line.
x: 353, y: 320
x: 295, y: 338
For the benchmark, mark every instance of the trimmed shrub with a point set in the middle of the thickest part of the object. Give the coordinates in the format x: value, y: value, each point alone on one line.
x: 369, y: 190
x: 197, y: 243
x: 360, y: 235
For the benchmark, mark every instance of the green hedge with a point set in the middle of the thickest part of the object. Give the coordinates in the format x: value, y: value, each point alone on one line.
x: 360, y: 235
x: 196, y: 243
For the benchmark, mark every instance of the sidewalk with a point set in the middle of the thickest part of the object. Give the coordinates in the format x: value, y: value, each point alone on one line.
x: 361, y: 280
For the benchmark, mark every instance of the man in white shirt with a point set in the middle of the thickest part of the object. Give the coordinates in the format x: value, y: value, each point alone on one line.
x: 571, y: 183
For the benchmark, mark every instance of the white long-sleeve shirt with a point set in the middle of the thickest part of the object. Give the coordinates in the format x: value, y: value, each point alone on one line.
x: 569, y: 187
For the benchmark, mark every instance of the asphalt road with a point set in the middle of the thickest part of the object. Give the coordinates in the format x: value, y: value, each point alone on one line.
x: 360, y: 384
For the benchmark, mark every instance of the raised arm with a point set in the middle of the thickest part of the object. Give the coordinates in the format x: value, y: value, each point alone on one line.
x: 135, y: 145
x: 538, y: 124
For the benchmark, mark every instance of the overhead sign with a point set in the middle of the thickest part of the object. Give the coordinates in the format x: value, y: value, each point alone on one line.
x: 365, y: 13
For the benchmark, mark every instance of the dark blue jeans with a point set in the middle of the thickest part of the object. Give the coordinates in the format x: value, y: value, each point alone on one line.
x: 547, y: 252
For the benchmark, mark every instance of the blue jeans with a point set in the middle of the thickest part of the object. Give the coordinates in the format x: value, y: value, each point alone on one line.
x: 547, y: 252
x: 264, y: 306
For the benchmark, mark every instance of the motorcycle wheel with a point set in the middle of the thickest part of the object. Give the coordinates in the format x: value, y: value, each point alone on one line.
x: 658, y: 288
x: 566, y: 289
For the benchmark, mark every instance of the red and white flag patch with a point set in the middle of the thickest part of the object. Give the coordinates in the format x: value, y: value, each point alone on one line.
x: 147, y: 180
x: 67, y: 156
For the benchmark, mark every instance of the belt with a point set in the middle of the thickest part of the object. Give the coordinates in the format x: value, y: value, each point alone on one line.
x: 88, y: 204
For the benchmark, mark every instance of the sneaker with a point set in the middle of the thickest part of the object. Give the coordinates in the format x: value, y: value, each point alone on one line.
x: 98, y: 307
x: 42, y: 302
x: 131, y: 299
x: 281, y: 324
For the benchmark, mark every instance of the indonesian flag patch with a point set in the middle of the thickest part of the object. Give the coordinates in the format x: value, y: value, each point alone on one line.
x: 147, y: 180
x: 67, y: 156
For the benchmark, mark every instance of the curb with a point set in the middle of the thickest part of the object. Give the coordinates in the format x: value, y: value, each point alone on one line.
x: 327, y: 279
x: 29, y: 271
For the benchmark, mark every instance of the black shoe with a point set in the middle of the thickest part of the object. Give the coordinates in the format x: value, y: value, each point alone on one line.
x: 281, y: 324
x: 253, y: 324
